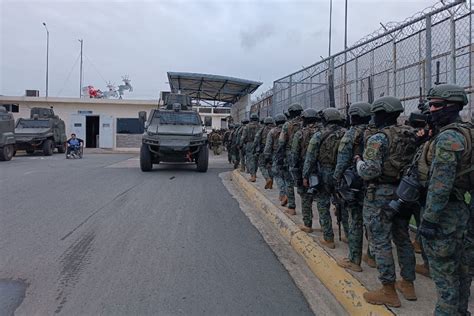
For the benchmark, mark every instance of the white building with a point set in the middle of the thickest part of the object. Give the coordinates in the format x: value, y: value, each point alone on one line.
x: 105, y: 123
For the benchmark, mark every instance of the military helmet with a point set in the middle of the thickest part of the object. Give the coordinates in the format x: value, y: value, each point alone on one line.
x: 448, y: 92
x: 245, y: 121
x: 268, y: 120
x: 254, y: 117
x: 361, y: 109
x: 387, y: 104
x: 331, y: 115
x: 295, y: 107
x: 280, y: 118
x: 310, y: 113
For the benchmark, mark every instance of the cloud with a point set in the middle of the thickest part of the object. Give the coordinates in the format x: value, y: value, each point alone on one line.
x: 250, y: 38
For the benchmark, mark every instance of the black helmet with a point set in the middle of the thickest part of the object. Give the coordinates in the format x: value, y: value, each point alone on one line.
x: 245, y: 121
x: 254, y: 117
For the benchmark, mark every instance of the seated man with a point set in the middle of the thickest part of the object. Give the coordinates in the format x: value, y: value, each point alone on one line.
x: 74, y: 143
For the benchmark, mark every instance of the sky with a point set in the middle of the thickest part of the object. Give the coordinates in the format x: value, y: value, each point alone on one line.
x: 256, y: 40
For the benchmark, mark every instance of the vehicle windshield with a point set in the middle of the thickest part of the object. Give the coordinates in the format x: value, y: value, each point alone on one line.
x: 33, y: 123
x: 177, y: 118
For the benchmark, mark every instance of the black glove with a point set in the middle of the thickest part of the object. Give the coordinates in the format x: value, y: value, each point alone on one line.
x: 428, y: 229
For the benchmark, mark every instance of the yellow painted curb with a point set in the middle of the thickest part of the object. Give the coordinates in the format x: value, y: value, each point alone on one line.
x: 345, y: 288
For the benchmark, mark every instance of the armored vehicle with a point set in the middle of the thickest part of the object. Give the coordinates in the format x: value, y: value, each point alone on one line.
x: 7, y: 136
x: 42, y: 131
x: 174, y: 133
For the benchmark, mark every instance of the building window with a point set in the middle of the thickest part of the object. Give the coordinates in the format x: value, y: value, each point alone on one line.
x: 205, y: 110
x: 208, y: 121
x: 14, y: 108
x: 129, y: 126
x: 222, y: 110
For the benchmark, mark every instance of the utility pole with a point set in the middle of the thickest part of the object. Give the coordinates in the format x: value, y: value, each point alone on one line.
x: 80, y: 70
x: 330, y: 26
x: 47, y: 57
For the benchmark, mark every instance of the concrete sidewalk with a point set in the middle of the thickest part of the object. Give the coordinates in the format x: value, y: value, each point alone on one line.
x: 327, y: 270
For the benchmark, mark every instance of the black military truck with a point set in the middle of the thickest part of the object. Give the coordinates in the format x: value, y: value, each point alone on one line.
x: 7, y: 136
x: 174, y: 133
x: 42, y: 131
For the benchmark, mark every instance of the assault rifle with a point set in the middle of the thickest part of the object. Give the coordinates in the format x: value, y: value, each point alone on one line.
x: 338, y: 203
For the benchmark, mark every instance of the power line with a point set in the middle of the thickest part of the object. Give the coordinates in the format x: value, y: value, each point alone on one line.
x: 95, y: 68
x: 69, y: 75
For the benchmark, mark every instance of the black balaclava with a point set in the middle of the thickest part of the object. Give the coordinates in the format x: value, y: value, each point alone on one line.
x: 294, y: 114
x: 447, y: 115
x: 357, y: 120
x: 382, y: 118
x: 309, y: 120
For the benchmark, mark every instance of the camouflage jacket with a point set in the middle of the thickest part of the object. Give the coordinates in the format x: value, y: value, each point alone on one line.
x: 354, y: 136
x: 373, y: 157
x: 246, y: 136
x: 448, y: 148
x: 288, y: 130
x: 272, y: 143
x: 299, y: 145
x: 261, y: 138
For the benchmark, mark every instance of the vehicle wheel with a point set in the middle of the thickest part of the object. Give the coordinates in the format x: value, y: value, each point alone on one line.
x: 203, y: 159
x: 62, y: 148
x: 145, y: 158
x: 6, y: 152
x: 30, y: 151
x: 48, y: 147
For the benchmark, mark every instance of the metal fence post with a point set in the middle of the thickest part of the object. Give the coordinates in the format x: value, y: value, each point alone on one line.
x: 356, y: 78
x: 452, y: 34
x: 332, y: 102
x: 428, y: 78
x: 394, y: 52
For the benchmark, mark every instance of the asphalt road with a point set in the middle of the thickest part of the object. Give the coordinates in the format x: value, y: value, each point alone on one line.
x: 98, y: 236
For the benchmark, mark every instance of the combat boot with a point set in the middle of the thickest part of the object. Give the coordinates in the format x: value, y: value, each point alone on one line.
x: 242, y: 168
x: 269, y: 184
x: 327, y: 243
x: 306, y: 229
x: 386, y: 295
x: 407, y: 289
x: 370, y: 261
x: 284, y: 200
x: 423, y: 269
x: 347, y: 264
x: 291, y: 211
x: 416, y: 246
x: 253, y: 178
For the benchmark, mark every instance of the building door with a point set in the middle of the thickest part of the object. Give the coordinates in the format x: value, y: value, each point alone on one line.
x: 78, y: 126
x: 106, y: 136
x: 92, y: 131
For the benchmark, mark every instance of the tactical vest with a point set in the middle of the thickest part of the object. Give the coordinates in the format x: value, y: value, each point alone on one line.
x: 330, y: 139
x: 251, y: 132
x: 264, y: 135
x: 465, y: 170
x: 360, y: 134
x: 293, y: 126
x: 401, y: 150
x: 306, y: 133
x: 275, y: 135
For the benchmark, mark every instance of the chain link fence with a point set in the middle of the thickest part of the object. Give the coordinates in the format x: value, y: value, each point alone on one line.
x: 400, y: 59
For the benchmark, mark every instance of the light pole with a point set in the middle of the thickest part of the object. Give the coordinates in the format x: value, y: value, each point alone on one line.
x: 47, y: 56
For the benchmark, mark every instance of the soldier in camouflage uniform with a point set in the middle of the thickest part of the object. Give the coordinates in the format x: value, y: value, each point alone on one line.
x: 269, y: 153
x: 259, y: 145
x: 241, y: 150
x: 246, y: 143
x: 227, y: 139
x: 311, y: 124
x: 320, y: 160
x: 283, y: 153
x: 235, y: 145
x: 386, y: 156
x: 352, y: 143
x: 449, y: 158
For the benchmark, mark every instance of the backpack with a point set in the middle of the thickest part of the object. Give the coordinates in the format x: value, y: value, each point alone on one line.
x: 306, y: 133
x: 330, y: 139
x: 401, y: 150
x: 293, y: 126
x: 275, y: 135
x: 251, y: 132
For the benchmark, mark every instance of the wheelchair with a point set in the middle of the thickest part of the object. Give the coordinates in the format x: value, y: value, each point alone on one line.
x: 74, y: 152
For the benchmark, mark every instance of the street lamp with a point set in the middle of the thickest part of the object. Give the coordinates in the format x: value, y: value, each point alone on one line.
x: 47, y: 56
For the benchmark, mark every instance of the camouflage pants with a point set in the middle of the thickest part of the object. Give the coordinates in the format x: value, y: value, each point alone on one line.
x: 345, y: 221
x: 242, y: 160
x: 447, y: 260
x: 468, y: 260
x: 323, y: 204
x: 381, y: 232
x: 235, y: 157
x: 250, y: 160
x: 356, y: 232
x: 264, y: 169
x: 229, y: 154
x: 278, y: 179
x: 290, y: 186
x: 306, y: 206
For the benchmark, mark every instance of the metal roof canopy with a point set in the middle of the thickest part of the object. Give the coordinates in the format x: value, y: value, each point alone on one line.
x: 211, y: 87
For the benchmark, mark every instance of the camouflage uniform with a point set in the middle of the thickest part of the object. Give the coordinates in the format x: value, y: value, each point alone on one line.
x: 445, y: 207
x: 235, y: 152
x: 283, y: 153
x: 247, y: 145
x: 299, y: 146
x: 325, y: 173
x: 227, y: 143
x: 269, y: 153
x: 381, y: 230
x: 259, y: 145
x: 352, y: 144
